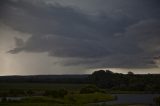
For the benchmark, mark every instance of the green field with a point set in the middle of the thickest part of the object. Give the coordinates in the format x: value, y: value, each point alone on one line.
x: 76, y: 94
x: 49, y: 104
x: 70, y: 99
x: 74, y: 97
x: 51, y: 86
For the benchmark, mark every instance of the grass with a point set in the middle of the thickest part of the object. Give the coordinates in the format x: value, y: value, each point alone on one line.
x: 39, y: 86
x: 50, y: 104
x: 88, y: 98
x: 68, y: 100
x: 73, y: 98
x: 128, y: 92
x: 40, y: 104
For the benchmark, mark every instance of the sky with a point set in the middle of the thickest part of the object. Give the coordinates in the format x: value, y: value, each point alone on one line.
x: 79, y: 36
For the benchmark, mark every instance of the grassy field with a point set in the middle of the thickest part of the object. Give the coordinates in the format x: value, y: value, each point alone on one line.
x: 51, y: 86
x: 45, y: 104
x: 51, y: 104
x: 72, y: 98
x: 40, y: 86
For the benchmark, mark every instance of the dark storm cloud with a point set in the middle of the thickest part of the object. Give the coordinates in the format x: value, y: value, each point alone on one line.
x: 127, y: 38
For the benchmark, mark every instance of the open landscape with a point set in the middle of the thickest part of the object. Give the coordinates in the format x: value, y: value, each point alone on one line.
x: 95, y: 89
x: 44, y: 94
x: 79, y: 52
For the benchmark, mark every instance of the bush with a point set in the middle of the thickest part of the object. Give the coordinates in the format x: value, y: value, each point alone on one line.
x: 16, y: 92
x: 62, y: 92
x: 4, y: 99
x: 157, y: 100
x: 56, y: 93
x: 4, y: 94
x: 89, y: 89
x: 88, y: 98
x: 30, y: 92
x: 41, y: 100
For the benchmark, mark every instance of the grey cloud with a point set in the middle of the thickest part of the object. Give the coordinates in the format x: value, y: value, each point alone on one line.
x: 146, y: 35
x: 94, y: 40
x: 19, y: 42
x: 123, y: 61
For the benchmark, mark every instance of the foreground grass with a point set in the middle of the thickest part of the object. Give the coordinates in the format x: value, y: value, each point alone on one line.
x: 45, y: 104
x: 71, y: 99
x: 50, y: 104
x: 41, y: 104
x: 88, y: 98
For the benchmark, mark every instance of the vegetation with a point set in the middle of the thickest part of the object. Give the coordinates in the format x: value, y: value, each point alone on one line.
x: 67, y: 99
x: 51, y: 104
x: 157, y: 101
x: 83, y: 91
x: 84, y: 95
x: 89, y: 89
x: 35, y: 89
x: 126, y: 82
x: 56, y: 93
x: 103, y: 79
x: 39, y: 86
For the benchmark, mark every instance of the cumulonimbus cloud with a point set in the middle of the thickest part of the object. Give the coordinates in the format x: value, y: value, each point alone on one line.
x: 98, y: 40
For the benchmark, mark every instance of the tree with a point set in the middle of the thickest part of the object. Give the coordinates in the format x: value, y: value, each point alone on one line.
x: 102, y: 78
x: 130, y: 73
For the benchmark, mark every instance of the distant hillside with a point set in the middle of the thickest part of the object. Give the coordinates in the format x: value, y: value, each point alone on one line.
x: 104, y: 79
x: 46, y: 79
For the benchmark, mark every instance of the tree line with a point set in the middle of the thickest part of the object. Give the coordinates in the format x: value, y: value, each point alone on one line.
x: 104, y: 79
x: 128, y: 82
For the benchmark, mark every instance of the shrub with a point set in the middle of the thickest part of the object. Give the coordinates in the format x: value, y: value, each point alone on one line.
x: 157, y: 100
x: 30, y: 92
x: 89, y: 89
x: 16, y: 92
x: 56, y: 93
x: 4, y: 99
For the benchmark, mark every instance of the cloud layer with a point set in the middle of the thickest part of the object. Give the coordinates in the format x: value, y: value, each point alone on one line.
x: 108, y: 34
